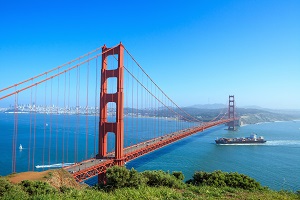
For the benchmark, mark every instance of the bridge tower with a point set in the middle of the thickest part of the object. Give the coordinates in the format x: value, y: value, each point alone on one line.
x: 116, y: 127
x: 231, y: 113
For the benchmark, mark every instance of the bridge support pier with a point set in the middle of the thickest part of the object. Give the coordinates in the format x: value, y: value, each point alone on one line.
x: 231, y: 113
x: 116, y: 127
x: 102, y: 178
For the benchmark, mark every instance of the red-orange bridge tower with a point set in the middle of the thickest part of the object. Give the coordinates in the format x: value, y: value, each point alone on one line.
x: 116, y: 127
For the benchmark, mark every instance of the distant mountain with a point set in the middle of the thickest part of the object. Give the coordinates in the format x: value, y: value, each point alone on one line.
x: 291, y: 112
x: 209, y: 106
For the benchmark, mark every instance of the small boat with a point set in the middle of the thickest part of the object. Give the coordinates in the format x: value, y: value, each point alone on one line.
x: 20, y: 147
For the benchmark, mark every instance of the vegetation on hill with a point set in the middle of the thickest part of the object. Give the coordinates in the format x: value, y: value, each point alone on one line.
x: 247, y: 115
x: 130, y: 184
x: 253, y: 116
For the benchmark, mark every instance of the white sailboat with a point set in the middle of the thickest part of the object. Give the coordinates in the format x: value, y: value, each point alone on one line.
x: 20, y: 147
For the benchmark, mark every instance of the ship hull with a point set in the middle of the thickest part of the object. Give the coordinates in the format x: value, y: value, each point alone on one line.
x: 253, y: 139
x: 240, y: 142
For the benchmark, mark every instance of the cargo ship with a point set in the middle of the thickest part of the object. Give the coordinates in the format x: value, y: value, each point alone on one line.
x: 253, y: 139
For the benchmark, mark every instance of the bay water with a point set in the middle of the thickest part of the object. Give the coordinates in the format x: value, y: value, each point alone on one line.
x: 275, y: 164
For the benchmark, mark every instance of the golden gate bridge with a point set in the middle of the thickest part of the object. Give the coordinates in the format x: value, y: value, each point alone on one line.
x: 116, y: 96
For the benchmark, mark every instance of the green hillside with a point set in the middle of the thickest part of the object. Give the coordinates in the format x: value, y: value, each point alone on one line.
x: 130, y: 184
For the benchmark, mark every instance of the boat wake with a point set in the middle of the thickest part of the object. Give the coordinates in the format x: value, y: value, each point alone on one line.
x: 54, y: 165
x: 283, y: 143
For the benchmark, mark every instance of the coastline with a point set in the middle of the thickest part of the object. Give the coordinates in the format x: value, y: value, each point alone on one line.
x: 270, y: 122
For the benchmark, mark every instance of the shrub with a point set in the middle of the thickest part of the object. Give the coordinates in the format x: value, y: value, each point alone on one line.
x: 161, y: 178
x: 11, y: 191
x: 241, y: 181
x: 178, y: 175
x: 118, y: 177
x: 37, y: 187
x: 222, y: 179
x: 5, y: 186
x: 136, y: 179
x: 298, y: 193
x: 65, y: 189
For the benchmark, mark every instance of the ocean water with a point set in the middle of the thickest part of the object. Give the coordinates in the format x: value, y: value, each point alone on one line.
x: 274, y: 164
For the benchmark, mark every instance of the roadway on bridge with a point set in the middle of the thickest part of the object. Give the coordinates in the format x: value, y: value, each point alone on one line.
x: 92, y: 167
x: 94, y: 161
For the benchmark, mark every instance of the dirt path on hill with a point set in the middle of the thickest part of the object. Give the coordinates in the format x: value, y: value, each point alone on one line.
x: 17, y: 178
x: 57, y: 178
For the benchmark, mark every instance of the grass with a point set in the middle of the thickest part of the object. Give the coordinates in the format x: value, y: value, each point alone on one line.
x: 43, y: 190
x: 152, y: 193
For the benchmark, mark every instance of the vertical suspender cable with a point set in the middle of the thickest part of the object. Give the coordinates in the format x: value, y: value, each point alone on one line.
x: 77, y: 121
x: 155, y: 113
x: 69, y: 116
x: 77, y: 113
x: 132, y: 110
x: 14, y: 140
x: 137, y: 108
x: 78, y: 116
x: 165, y: 117
x: 95, y: 114
x: 162, y: 115
x: 34, y: 128
x: 57, y: 115
x: 158, y: 115
x: 64, y: 129
x: 147, y: 105
x: 126, y: 105
x: 45, y: 110
x: 30, y: 129
x: 141, y: 107
x: 13, y: 155
x: 86, y: 117
x: 51, y: 118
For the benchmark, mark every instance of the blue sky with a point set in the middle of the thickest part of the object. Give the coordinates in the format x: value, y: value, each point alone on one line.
x: 197, y: 51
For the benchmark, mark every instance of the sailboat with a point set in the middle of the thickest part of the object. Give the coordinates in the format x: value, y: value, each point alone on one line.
x: 20, y: 147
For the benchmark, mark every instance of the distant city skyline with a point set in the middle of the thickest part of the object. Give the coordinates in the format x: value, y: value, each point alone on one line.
x: 198, y: 52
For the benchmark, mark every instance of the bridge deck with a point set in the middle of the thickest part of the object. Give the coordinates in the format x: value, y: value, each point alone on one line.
x: 92, y: 167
